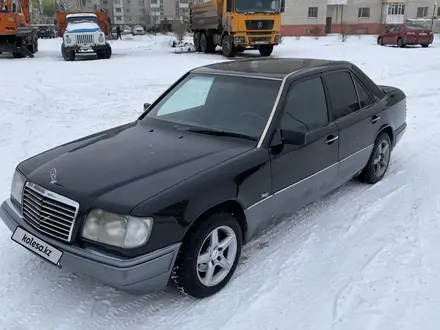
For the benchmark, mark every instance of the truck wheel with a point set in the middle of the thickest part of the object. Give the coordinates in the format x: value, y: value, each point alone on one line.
x: 379, y: 160
x: 207, y: 44
x: 265, y: 50
x: 108, y: 51
x: 197, y: 40
x: 68, y: 55
x: 208, y: 258
x: 17, y: 55
x: 228, y: 48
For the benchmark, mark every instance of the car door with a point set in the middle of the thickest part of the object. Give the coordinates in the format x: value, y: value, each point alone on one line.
x: 396, y: 34
x: 301, y: 174
x: 388, y: 36
x: 356, y: 116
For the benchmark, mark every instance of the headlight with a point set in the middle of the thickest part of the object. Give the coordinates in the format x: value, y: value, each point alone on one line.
x: 18, y: 181
x: 68, y: 40
x: 101, y: 39
x: 123, y: 231
x: 277, y: 38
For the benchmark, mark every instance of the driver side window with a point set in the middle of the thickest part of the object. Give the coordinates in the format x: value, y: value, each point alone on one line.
x: 306, y: 106
x: 191, y: 94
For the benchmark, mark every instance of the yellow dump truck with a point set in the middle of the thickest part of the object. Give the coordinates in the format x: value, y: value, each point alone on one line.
x: 236, y: 25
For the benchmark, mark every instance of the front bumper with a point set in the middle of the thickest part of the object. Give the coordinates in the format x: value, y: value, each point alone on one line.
x: 85, y: 47
x: 140, y: 275
x: 255, y: 39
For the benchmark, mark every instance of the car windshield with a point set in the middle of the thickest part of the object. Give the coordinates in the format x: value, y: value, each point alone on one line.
x: 231, y: 104
x: 82, y: 19
x: 257, y: 6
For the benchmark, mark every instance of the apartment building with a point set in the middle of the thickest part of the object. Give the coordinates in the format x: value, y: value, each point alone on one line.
x: 320, y: 17
x: 145, y: 12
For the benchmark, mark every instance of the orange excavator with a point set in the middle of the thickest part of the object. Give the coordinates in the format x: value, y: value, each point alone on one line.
x: 16, y: 34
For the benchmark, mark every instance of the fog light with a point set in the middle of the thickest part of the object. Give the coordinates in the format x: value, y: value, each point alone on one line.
x: 277, y: 38
x: 238, y: 40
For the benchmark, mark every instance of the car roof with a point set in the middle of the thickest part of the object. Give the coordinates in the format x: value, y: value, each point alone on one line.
x: 271, y: 68
x: 81, y: 15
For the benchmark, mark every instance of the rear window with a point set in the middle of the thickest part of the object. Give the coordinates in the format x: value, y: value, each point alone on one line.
x: 415, y: 27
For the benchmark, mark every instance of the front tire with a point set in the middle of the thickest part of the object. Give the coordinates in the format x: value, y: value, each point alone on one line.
x: 68, y: 55
x: 209, y: 257
x: 265, y: 50
x: 380, y: 41
x: 379, y: 160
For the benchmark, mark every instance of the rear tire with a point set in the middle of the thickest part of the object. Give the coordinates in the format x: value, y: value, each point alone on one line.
x: 425, y: 45
x: 199, y: 254
x: 196, y: 41
x: 379, y: 160
x: 400, y: 43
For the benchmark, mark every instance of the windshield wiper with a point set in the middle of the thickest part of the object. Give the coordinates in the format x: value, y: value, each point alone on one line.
x: 221, y: 133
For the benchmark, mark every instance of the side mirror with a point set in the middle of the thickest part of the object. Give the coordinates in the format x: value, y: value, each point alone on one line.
x: 294, y: 138
x: 146, y: 106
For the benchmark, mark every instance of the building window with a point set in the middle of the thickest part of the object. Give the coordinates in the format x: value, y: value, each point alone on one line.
x: 141, y: 2
x: 118, y: 10
x: 438, y: 11
x: 105, y: 2
x: 313, y: 12
x: 117, y: 2
x: 397, y: 9
x: 153, y: 1
x: 422, y: 12
x: 364, y: 13
x: 129, y: 19
x: 128, y: 10
x: 118, y: 18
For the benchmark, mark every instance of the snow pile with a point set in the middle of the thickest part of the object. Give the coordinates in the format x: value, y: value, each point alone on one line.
x: 181, y: 46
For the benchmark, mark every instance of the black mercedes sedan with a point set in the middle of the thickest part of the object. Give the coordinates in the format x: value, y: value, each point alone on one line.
x: 230, y: 147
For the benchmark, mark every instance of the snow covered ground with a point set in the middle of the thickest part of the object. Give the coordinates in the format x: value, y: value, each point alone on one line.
x: 363, y: 258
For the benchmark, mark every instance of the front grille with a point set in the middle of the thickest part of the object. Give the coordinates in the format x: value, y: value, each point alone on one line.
x: 48, y: 212
x: 259, y: 24
x: 259, y: 39
x: 258, y: 33
x: 84, y: 39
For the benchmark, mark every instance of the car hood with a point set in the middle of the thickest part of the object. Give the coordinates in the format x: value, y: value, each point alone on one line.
x: 125, y: 166
x: 82, y: 27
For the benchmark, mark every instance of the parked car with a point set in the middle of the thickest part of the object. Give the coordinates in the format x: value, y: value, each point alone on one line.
x: 138, y: 30
x: 46, y: 33
x: 403, y: 35
x: 225, y: 151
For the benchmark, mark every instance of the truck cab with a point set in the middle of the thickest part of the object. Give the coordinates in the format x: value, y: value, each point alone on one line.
x: 82, y: 33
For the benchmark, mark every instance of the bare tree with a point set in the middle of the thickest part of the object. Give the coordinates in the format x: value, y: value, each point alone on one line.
x: 179, y: 29
x: 315, y: 31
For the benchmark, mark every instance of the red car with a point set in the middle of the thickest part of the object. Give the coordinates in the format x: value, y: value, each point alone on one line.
x: 402, y: 35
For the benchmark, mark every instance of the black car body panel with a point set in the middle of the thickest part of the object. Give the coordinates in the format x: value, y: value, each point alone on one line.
x: 157, y: 168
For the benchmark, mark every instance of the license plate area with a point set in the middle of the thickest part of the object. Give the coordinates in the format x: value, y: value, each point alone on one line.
x: 37, y: 246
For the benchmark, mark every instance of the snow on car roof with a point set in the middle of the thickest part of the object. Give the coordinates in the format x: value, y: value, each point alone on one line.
x: 81, y: 15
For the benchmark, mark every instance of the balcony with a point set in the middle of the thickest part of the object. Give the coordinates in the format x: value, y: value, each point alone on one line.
x: 336, y: 2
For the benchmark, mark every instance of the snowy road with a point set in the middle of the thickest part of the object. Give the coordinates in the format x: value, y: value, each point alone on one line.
x: 363, y: 258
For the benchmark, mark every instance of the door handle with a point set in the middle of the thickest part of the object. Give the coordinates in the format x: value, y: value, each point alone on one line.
x: 331, y: 139
x: 374, y: 119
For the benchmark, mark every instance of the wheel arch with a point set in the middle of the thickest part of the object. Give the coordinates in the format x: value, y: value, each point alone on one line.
x: 388, y: 130
x: 230, y: 206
